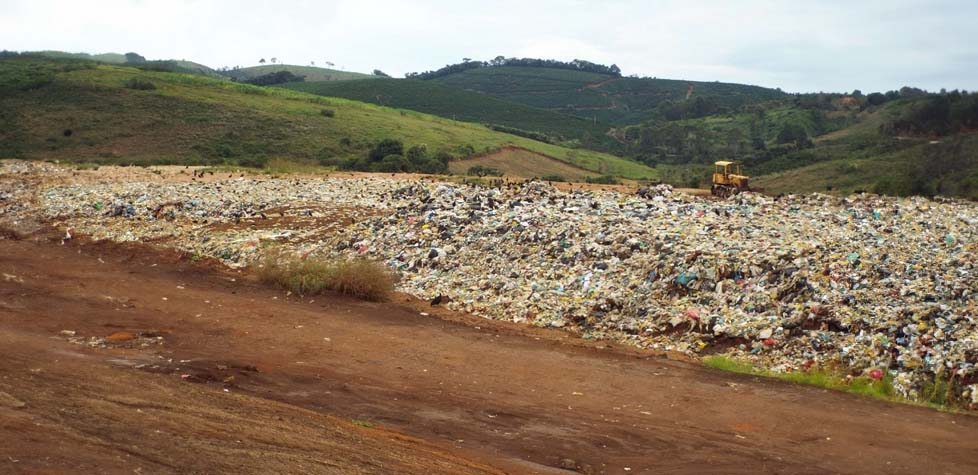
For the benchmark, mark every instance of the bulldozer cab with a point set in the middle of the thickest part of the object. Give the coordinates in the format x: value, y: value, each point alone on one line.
x: 728, y: 179
x: 726, y: 169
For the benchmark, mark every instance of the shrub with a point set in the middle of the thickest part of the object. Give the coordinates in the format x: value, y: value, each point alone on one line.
x: 553, y: 178
x: 444, y: 158
x: 360, y: 278
x: 328, y: 161
x: 389, y: 156
x: 386, y: 147
x: 355, y: 163
x: 253, y: 162
x: 480, y: 170
x: 391, y: 164
x: 328, y: 113
x: 603, y: 180
x: 427, y: 165
x: 140, y: 84
x: 417, y: 152
x: 464, y: 151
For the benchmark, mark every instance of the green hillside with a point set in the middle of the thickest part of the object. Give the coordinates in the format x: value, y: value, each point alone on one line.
x: 433, y: 98
x: 79, y: 111
x: 190, y: 67
x: 114, y: 58
x: 947, y: 167
x: 768, y: 131
x: 311, y: 73
x: 604, y: 97
x: 169, y: 65
x: 912, y: 145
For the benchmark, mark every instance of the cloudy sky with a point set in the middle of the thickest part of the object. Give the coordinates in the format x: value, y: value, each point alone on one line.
x: 799, y: 46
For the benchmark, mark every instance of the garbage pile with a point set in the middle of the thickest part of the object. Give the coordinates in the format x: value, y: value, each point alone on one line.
x: 18, y: 187
x: 881, y: 287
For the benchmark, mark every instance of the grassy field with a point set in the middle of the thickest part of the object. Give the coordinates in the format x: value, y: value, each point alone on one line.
x: 81, y: 112
x: 616, y: 101
x: 433, y: 98
x: 311, y: 73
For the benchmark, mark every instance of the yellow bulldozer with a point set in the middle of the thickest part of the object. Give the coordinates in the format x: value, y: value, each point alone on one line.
x: 728, y: 179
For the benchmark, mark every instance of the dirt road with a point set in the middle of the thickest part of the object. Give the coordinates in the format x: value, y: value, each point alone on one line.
x: 209, y: 372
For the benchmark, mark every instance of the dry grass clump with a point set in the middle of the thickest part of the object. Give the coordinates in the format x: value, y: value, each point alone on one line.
x: 360, y: 278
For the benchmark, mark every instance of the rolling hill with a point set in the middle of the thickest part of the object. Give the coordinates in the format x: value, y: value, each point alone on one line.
x: 113, y: 58
x: 946, y: 167
x: 796, y: 142
x: 606, y: 98
x: 433, y: 98
x: 171, y: 65
x: 67, y: 107
x: 311, y: 73
x: 80, y: 111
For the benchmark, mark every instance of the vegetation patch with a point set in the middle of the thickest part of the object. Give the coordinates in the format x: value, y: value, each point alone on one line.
x: 277, y: 77
x: 360, y: 278
x: 389, y: 156
x: 500, y: 61
x: 603, y: 180
x: 310, y: 73
x: 140, y: 84
x: 480, y: 170
x: 937, y: 394
x: 200, y: 120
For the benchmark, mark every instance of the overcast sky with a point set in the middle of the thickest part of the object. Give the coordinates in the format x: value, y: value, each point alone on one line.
x: 799, y: 46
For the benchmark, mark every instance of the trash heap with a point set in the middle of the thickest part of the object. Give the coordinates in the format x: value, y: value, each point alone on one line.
x: 883, y: 287
x: 18, y: 189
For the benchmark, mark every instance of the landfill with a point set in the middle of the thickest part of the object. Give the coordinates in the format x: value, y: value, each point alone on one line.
x: 879, y: 287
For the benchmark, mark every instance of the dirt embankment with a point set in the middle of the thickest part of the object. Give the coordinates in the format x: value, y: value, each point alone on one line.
x: 121, y: 359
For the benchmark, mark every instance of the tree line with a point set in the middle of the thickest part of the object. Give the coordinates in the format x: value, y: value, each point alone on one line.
x: 467, y: 64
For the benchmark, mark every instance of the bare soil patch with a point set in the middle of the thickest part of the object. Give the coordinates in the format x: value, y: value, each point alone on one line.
x: 245, y: 379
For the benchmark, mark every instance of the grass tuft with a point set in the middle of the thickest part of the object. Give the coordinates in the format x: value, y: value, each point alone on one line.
x: 360, y: 278
x: 140, y: 84
x: 724, y: 363
x: 879, y: 389
x: 287, y: 166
